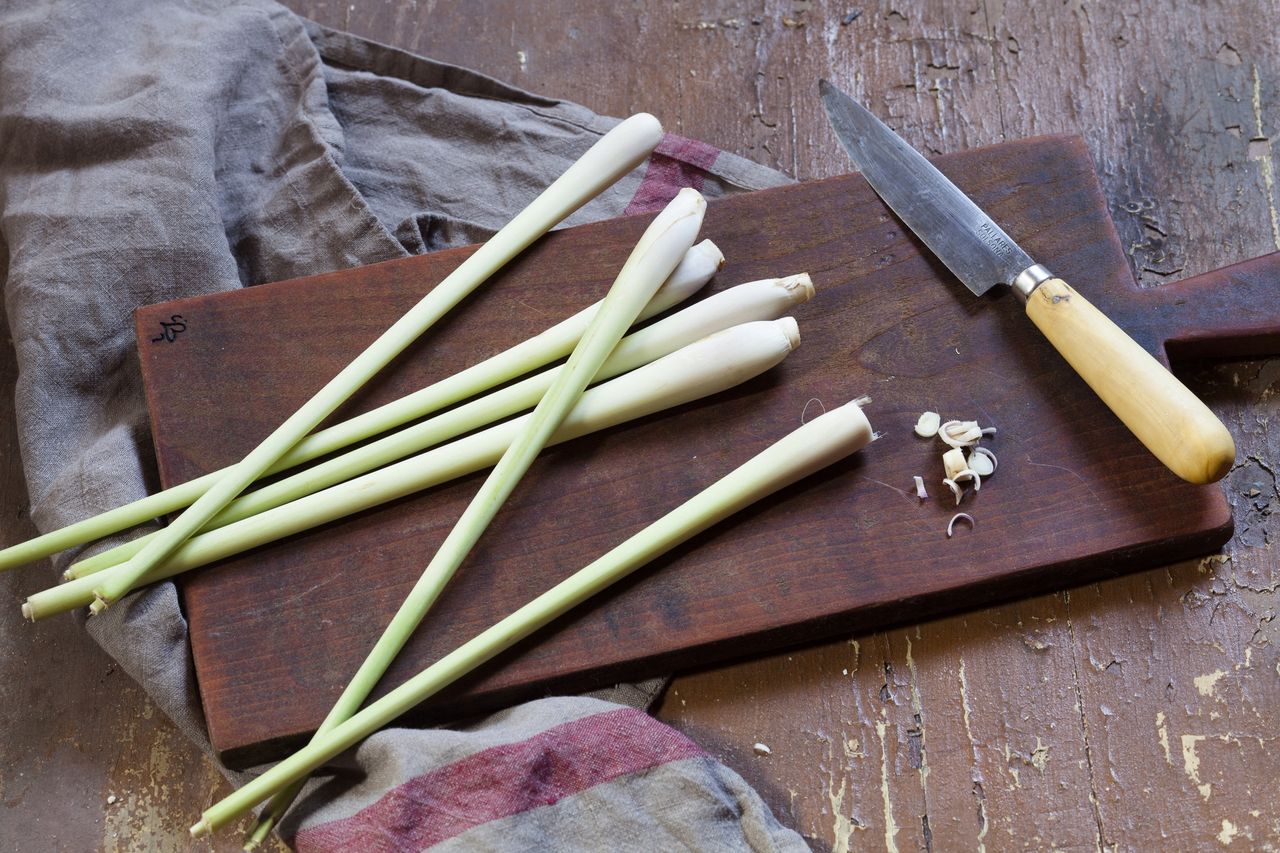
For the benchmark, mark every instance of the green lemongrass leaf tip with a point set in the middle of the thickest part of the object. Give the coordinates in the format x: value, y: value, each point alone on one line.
x: 693, y: 272
x: 656, y: 255
x: 708, y: 366
x: 614, y: 155
x: 821, y: 442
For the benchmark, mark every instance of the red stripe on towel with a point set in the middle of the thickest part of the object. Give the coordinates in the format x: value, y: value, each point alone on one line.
x: 503, y: 781
x: 675, y: 164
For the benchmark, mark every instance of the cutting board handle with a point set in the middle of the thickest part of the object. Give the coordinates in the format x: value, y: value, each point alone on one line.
x: 1233, y: 312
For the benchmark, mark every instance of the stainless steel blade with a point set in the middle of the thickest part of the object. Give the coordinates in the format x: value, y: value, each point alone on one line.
x: 964, y: 238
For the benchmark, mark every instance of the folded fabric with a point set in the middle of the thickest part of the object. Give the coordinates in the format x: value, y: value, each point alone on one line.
x: 156, y: 150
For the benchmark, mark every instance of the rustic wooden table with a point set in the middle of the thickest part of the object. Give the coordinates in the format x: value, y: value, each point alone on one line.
x: 1131, y: 714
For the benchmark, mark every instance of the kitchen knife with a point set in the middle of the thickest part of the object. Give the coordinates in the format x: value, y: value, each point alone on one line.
x: 1162, y: 412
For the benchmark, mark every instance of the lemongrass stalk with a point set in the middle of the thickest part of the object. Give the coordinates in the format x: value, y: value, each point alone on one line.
x: 711, y: 365
x: 757, y: 300
x: 697, y: 267
x: 822, y: 441
x: 617, y: 152
x: 658, y: 250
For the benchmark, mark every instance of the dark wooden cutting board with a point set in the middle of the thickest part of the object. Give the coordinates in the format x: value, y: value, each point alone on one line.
x: 276, y: 632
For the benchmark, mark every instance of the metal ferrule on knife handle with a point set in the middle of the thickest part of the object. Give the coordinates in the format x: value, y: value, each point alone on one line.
x: 1028, y: 280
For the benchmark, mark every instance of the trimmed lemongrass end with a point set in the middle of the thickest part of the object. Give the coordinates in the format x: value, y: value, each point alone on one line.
x: 26, y: 612
x: 927, y: 424
x: 266, y: 822
x: 791, y: 329
x: 959, y: 516
x: 99, y: 604
x: 799, y: 282
x: 695, y: 269
x: 822, y: 442
x: 201, y: 829
x: 953, y: 463
x: 920, y: 490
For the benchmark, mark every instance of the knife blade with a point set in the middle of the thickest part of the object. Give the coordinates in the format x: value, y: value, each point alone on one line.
x: 1157, y: 408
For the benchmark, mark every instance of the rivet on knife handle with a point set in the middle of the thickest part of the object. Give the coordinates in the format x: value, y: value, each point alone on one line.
x: 1162, y: 412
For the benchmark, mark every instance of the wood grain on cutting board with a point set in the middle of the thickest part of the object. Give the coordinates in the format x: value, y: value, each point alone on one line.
x: 276, y: 632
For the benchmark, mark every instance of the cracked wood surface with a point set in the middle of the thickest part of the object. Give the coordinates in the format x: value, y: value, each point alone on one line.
x: 1122, y: 715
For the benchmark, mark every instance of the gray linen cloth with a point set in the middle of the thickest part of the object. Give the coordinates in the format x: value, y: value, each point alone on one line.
x: 150, y: 151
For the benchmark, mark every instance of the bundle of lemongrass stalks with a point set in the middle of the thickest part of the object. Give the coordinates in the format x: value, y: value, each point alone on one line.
x: 700, y: 350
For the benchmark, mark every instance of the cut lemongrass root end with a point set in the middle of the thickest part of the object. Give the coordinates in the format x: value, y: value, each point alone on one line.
x: 959, y: 516
x: 801, y: 282
x: 26, y: 612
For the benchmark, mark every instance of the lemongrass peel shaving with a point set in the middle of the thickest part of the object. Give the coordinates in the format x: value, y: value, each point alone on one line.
x: 959, y: 516
x: 960, y: 433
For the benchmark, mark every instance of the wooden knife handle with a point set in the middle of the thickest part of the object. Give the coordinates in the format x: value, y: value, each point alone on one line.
x: 1162, y: 412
